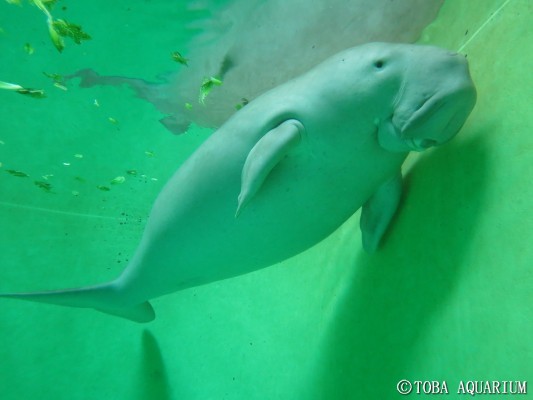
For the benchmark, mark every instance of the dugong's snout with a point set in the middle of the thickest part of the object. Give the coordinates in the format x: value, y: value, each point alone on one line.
x: 439, y: 118
x: 435, y: 100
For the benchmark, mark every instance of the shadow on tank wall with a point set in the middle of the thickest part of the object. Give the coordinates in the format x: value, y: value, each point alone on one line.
x: 382, y: 313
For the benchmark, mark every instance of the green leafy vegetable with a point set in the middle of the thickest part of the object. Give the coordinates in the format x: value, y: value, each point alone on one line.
x: 35, y: 93
x: 59, y: 81
x: 73, y: 31
x: 176, y: 56
x: 207, y: 85
x: 55, y: 77
x: 57, y: 40
x: 57, y: 29
x: 9, y: 86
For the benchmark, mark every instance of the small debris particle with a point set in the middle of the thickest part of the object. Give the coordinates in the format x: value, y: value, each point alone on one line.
x: 78, y: 155
x: 28, y: 48
x: 96, y: 104
x: 118, y: 180
x: 243, y: 102
x: 112, y: 120
x: 103, y: 188
x: 188, y: 106
x: 131, y: 172
x: 149, y: 153
x: 75, y: 193
x: 66, y: 164
x: 43, y: 185
x: 60, y: 86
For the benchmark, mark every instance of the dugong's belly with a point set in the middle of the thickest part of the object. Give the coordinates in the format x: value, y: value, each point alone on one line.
x: 192, y: 236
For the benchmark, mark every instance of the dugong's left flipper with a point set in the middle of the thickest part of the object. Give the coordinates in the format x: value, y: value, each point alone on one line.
x: 378, y: 211
x: 264, y: 156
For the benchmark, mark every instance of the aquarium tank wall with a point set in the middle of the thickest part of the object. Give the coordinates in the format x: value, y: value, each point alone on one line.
x: 444, y: 305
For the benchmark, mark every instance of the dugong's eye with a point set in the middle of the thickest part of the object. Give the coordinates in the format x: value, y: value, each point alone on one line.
x: 379, y: 64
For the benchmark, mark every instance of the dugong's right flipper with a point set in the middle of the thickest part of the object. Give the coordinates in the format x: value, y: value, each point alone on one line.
x: 378, y: 211
x: 265, y: 155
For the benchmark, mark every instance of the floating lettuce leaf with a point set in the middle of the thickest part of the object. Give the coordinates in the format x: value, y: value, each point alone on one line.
x: 35, y: 93
x: 59, y: 81
x: 55, y: 77
x: 9, y: 86
x: 73, y: 31
x: 48, y: 3
x: 57, y: 29
x: 176, y: 56
x: 57, y: 40
x: 207, y: 85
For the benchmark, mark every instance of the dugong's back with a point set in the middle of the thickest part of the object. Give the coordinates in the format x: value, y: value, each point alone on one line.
x: 309, y: 194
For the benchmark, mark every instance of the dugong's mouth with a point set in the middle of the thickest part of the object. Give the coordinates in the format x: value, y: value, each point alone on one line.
x: 420, y: 144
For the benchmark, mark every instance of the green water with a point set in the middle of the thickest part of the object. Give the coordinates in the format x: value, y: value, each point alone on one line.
x: 449, y: 297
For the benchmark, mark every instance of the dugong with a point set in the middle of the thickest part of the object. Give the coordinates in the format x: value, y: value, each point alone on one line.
x: 287, y: 170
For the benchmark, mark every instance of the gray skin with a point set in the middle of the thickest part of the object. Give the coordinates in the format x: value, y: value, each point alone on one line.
x: 287, y: 170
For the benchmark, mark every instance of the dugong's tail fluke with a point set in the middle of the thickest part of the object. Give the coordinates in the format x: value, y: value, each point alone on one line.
x: 101, y: 297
